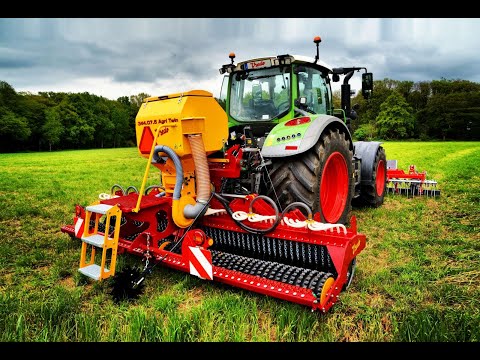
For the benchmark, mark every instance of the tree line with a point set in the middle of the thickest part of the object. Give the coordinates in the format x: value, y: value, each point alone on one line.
x: 59, y: 120
x: 431, y: 110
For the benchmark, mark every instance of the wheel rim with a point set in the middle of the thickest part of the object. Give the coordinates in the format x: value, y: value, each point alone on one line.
x: 334, y: 187
x: 328, y: 284
x: 380, y: 180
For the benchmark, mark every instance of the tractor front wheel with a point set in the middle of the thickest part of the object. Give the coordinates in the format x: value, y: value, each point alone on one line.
x: 321, y: 177
x: 373, y: 192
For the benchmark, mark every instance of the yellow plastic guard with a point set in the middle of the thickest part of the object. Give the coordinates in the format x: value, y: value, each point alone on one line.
x: 178, y: 115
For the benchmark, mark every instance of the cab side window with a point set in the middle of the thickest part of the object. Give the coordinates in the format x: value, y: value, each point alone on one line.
x: 311, y: 85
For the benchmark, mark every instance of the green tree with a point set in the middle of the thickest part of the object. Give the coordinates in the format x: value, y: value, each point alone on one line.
x: 14, y: 130
x: 395, y: 120
x: 452, y: 86
x: 453, y: 115
x: 52, y: 130
x: 78, y: 131
x: 136, y: 100
x: 405, y: 88
x: 8, y: 96
x: 369, y: 109
x: 124, y: 125
x: 54, y: 97
x: 125, y: 100
x: 104, y: 125
x: 337, y: 99
x: 419, y: 96
x: 86, y: 123
x: 222, y: 103
x: 365, y: 132
x: 33, y: 107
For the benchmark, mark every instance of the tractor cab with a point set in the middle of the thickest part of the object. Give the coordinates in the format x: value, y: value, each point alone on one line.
x: 274, y: 89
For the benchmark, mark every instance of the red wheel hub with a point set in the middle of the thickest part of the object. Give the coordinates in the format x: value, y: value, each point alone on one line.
x: 334, y: 187
x: 380, y: 180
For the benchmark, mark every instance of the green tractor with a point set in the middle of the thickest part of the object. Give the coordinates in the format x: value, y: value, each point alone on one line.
x: 297, y: 146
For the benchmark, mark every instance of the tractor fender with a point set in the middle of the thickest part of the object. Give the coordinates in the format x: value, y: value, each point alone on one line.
x: 366, y: 152
x: 310, y: 133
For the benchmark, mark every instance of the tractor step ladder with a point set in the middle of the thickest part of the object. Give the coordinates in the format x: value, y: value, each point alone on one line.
x: 92, y: 239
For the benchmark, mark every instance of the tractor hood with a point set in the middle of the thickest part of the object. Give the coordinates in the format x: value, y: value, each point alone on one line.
x: 297, y: 135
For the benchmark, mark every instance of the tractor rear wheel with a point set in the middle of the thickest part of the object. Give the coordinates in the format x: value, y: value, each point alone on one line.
x: 321, y: 177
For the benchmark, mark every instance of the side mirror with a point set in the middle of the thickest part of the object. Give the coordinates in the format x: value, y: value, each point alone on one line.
x: 367, y: 85
x: 335, y: 78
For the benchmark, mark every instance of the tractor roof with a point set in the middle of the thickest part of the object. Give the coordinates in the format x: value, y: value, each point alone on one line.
x: 294, y: 58
x: 310, y: 60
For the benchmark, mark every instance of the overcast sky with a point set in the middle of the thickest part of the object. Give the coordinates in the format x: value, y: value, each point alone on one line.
x: 114, y: 57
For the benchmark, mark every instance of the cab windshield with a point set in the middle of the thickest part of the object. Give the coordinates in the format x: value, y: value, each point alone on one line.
x: 260, y: 95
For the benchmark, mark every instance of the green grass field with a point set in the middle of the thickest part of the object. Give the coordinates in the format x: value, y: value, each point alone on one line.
x: 418, y: 279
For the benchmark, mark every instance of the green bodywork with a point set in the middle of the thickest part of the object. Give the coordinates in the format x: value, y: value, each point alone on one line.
x: 282, y: 134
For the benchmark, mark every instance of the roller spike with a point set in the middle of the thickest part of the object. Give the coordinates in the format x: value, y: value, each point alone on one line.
x: 126, y: 285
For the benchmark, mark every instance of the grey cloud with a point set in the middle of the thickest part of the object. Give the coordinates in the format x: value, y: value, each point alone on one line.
x: 16, y: 58
x: 51, y: 51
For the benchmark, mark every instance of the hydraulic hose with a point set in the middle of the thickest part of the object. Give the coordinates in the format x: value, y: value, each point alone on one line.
x: 225, y: 204
x: 178, y: 167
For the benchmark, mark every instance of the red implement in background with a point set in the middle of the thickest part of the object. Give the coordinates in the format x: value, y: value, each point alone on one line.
x: 411, y: 183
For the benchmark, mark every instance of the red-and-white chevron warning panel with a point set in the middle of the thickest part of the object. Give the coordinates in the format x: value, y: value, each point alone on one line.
x: 200, y: 261
x: 78, y: 227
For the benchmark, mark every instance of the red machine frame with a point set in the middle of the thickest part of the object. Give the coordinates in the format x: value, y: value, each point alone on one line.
x: 343, y: 248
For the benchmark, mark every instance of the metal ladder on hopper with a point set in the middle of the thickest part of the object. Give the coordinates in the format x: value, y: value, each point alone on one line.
x: 93, y: 266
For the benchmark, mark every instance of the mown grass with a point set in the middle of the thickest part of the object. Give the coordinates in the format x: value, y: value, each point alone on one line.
x: 418, y: 279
